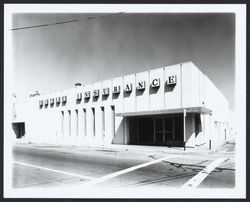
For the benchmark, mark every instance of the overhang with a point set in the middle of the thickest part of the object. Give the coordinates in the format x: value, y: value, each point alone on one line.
x: 197, y: 110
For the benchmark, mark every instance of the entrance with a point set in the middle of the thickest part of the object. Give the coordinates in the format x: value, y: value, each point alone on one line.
x: 163, y: 130
x: 157, y: 130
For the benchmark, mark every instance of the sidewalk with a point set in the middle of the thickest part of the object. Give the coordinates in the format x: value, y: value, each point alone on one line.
x: 227, y: 148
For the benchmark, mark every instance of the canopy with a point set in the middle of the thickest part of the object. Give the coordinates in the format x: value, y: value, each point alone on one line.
x: 197, y: 110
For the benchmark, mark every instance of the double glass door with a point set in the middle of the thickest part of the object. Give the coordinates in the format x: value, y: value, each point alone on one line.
x: 164, y: 130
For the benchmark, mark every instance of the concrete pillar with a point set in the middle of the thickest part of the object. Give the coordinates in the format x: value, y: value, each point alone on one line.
x: 58, y: 125
x: 112, y: 123
x: 126, y: 130
x: 107, y: 125
x: 99, y: 126
x: 184, y: 129
x: 190, y: 130
x: 89, y: 126
x: 69, y: 124
x: 84, y: 123
x: 62, y: 117
x: 209, y: 135
x: 66, y: 126
x: 80, y: 127
x: 74, y: 126
x: 93, y: 124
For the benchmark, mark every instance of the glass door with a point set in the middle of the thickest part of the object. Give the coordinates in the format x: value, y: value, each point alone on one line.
x: 169, y: 129
x: 163, y: 130
x: 158, y: 131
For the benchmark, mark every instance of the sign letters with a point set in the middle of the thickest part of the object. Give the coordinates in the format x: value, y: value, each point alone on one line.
x: 79, y: 96
x: 116, y: 89
x: 64, y: 98
x: 52, y: 101
x: 155, y: 83
x: 171, y: 80
x: 128, y: 87
x: 58, y: 100
x: 87, y: 94
x: 105, y: 91
x: 95, y: 93
x: 141, y: 85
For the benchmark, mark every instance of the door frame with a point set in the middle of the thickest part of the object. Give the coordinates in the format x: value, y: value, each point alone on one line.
x: 164, y: 131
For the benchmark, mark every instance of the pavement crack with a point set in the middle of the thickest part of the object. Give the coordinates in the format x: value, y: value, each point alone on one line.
x: 157, y: 180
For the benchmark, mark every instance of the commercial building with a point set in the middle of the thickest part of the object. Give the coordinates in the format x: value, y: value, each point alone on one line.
x: 174, y: 106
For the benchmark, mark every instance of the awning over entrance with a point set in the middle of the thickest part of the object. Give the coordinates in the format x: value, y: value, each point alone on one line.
x: 198, y: 110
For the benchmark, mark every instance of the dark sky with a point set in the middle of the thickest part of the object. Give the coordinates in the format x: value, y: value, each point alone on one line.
x: 53, y: 58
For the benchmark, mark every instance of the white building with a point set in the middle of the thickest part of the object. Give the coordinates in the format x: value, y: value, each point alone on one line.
x: 175, y: 106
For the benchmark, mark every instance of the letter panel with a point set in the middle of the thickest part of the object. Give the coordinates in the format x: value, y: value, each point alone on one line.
x: 172, y: 87
x: 117, y: 98
x: 156, y: 91
x: 142, y: 95
x: 129, y: 96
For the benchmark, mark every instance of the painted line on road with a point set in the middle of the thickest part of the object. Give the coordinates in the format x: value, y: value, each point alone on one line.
x: 127, y: 170
x: 53, y: 170
x: 197, y: 179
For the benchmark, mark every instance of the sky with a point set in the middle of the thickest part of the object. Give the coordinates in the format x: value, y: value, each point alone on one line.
x: 54, y: 58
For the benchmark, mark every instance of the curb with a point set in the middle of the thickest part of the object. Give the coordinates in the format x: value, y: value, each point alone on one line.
x: 72, y: 148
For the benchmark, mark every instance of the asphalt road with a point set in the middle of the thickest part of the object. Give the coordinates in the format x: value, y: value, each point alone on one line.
x: 47, y: 167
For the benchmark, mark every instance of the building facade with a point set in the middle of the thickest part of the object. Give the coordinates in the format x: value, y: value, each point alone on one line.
x: 173, y: 106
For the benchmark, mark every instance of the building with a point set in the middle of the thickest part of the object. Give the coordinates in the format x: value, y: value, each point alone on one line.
x: 174, y: 106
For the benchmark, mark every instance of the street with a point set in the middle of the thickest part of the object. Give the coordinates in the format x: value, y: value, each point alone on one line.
x: 40, y: 166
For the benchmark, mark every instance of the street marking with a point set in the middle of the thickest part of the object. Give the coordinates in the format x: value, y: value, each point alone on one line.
x: 197, y: 179
x: 53, y: 170
x: 127, y: 170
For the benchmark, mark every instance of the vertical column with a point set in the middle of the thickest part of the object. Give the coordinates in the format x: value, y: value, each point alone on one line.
x: 62, y: 124
x: 90, y: 126
x: 77, y: 123
x: 93, y: 122
x: 209, y: 135
x: 184, y: 128
x: 73, y: 124
x: 84, y: 123
x: 204, y: 128
x: 65, y: 126
x: 112, y: 122
x: 80, y: 126
x: 58, y: 125
x: 125, y: 129
x: 53, y: 125
x: 173, y: 127
x: 69, y: 124
x: 102, y: 123
x: 154, y: 131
